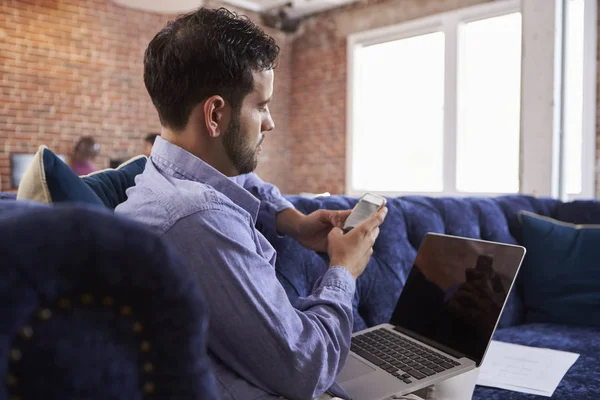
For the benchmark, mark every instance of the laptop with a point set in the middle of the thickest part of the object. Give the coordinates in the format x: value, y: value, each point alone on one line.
x: 443, y: 322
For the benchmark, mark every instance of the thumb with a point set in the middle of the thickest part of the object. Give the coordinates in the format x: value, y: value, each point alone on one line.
x: 335, y: 232
x: 339, y: 217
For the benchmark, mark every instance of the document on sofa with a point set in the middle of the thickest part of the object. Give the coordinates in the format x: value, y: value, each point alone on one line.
x: 524, y: 369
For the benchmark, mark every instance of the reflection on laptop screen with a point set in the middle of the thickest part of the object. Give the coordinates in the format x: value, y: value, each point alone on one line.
x: 455, y: 292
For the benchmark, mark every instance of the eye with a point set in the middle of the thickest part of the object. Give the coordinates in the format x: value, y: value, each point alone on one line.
x: 263, y: 108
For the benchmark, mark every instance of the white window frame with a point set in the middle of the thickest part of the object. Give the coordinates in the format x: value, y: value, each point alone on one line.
x: 590, y: 78
x: 447, y: 23
x: 540, y: 175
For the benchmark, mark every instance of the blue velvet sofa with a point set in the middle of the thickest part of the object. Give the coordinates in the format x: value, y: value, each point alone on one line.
x: 96, y: 307
x: 408, y: 220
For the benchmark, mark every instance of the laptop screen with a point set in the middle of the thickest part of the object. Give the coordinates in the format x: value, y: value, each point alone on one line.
x: 455, y: 292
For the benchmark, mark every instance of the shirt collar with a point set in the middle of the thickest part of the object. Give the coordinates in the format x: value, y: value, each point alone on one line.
x: 193, y: 168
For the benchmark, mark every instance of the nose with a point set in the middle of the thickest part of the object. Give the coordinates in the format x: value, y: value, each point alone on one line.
x: 268, y: 123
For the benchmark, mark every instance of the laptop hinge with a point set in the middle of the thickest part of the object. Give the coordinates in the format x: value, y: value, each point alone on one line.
x: 432, y: 343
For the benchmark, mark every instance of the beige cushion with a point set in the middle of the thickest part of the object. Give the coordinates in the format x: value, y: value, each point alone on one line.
x: 33, y: 185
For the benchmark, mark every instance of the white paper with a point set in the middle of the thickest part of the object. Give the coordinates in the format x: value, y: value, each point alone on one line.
x: 514, y: 388
x: 524, y: 369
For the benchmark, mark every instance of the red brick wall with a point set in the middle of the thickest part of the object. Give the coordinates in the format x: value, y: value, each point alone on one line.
x: 71, y: 68
x: 74, y: 67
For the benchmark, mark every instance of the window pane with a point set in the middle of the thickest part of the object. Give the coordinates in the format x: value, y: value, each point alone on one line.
x: 573, y: 96
x: 489, y: 93
x: 397, y: 142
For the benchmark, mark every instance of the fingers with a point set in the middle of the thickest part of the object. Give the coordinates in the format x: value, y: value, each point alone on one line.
x: 334, y: 217
x: 370, y: 241
x: 375, y: 220
x: 337, y: 218
x: 344, y: 214
x: 373, y: 235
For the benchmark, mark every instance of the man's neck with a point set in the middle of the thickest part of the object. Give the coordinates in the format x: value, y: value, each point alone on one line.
x: 205, y: 150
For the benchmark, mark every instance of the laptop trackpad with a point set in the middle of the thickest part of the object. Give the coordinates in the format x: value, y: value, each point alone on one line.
x: 353, y: 369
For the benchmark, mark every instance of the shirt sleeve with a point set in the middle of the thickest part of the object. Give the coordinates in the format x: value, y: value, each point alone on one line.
x: 271, y: 199
x: 254, y: 329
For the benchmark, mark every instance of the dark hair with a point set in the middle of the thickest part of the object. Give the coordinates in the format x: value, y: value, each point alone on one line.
x: 151, y: 138
x: 86, y: 147
x: 204, y: 53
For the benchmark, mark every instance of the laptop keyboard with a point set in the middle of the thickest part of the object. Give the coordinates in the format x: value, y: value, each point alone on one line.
x: 402, y: 358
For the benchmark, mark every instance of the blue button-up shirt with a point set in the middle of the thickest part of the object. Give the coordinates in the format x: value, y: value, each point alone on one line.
x: 261, y: 346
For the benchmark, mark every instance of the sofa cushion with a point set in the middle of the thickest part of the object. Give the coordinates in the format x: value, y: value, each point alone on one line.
x: 110, y: 185
x: 580, y: 381
x: 560, y: 278
x: 49, y: 180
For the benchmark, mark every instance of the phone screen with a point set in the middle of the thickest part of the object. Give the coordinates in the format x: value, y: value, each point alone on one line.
x: 363, y: 210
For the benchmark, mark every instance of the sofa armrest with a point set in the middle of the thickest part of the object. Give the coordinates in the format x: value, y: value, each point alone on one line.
x: 97, y: 307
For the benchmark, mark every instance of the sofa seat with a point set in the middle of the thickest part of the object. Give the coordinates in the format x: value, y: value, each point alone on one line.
x: 583, y: 381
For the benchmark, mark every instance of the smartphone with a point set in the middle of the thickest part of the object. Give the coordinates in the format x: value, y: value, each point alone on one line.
x: 368, y: 205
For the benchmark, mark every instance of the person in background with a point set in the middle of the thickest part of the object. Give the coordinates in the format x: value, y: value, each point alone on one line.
x: 149, y: 142
x: 84, y: 153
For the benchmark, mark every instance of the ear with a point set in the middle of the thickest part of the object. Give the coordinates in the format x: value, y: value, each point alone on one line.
x: 214, y: 113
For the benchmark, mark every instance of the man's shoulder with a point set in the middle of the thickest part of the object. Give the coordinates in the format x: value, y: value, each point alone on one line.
x: 161, y: 203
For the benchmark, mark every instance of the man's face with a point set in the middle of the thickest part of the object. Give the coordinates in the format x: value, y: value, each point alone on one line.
x: 246, y: 131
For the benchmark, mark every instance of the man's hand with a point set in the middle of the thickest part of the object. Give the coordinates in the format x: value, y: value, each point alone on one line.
x: 354, y: 249
x: 311, y: 230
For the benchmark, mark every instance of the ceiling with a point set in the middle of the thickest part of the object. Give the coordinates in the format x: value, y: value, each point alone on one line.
x: 161, y: 6
x: 293, y: 8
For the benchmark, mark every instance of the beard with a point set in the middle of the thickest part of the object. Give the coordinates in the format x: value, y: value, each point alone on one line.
x: 243, y: 157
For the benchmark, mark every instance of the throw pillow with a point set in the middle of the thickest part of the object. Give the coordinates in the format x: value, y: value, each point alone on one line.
x: 110, y: 185
x: 49, y: 180
x: 560, y: 278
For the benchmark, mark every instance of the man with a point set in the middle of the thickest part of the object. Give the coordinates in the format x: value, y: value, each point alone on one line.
x: 149, y: 142
x: 210, y: 76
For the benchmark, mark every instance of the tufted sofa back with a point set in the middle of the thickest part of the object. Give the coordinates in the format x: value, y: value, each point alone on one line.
x: 408, y: 220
